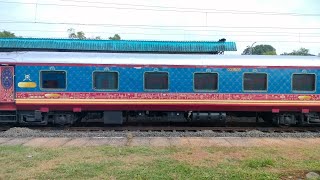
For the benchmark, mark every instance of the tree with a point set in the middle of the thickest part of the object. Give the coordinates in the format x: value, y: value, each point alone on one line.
x: 115, y: 37
x: 81, y: 35
x: 270, y: 53
x: 299, y: 52
x: 247, y: 51
x: 262, y: 49
x: 76, y: 35
x: 7, y: 34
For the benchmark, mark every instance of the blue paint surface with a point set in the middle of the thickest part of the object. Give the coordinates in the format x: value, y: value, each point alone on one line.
x: 79, y: 78
x: 117, y: 46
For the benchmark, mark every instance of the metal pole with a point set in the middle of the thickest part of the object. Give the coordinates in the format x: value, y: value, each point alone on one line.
x: 251, y: 48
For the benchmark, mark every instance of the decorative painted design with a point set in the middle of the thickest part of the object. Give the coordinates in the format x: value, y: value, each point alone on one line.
x: 27, y: 85
x: 177, y: 103
x: 234, y: 69
x: 307, y: 98
x: 6, y: 88
x: 79, y: 78
x: 6, y: 78
x: 52, y: 95
x: 27, y: 82
x: 27, y: 77
x: 168, y: 96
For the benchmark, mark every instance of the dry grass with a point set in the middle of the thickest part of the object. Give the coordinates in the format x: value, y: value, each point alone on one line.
x: 19, y: 162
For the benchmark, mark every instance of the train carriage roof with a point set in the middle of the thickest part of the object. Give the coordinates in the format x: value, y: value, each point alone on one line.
x: 156, y: 59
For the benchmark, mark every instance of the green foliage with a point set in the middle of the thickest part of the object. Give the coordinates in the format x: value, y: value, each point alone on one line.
x: 78, y: 170
x: 247, y: 51
x: 81, y: 35
x: 125, y: 151
x: 263, y: 49
x: 115, y: 37
x: 299, y: 52
x: 269, y: 53
x: 7, y: 34
x: 259, y: 163
x: 76, y: 35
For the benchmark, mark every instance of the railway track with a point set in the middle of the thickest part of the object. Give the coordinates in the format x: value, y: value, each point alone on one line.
x: 177, y: 129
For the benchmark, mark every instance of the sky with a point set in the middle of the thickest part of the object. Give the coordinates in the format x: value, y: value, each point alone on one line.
x: 287, y: 25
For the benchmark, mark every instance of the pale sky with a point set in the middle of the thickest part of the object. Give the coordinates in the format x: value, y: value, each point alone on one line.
x: 290, y: 25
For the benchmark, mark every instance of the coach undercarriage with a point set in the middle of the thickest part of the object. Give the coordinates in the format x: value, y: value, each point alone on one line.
x: 62, y: 118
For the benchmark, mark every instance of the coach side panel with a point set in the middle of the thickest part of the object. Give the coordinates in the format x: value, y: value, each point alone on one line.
x: 181, y: 93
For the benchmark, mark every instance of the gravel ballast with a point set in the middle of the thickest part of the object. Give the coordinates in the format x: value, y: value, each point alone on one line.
x: 26, y: 132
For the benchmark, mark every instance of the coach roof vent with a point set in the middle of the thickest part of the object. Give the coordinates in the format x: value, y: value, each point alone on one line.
x: 117, y: 46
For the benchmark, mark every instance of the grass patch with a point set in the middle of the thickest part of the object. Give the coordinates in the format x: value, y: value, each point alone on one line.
x: 82, y: 170
x: 18, y: 162
x: 172, y: 169
x: 145, y: 151
x: 259, y: 163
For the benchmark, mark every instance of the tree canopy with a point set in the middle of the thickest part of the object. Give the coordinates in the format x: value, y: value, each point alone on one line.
x: 7, y: 34
x: 263, y: 49
x: 76, y: 35
x: 81, y: 35
x: 115, y: 37
x: 299, y: 52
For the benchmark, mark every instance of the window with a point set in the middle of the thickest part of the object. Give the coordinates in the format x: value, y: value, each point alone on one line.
x: 255, y: 81
x: 156, y: 81
x: 105, y: 80
x: 303, y: 82
x: 205, y: 81
x: 53, y: 79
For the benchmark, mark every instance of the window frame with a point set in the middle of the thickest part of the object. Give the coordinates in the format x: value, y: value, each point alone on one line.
x: 204, y: 90
x: 53, y: 89
x: 144, y: 75
x: 315, y: 83
x: 93, y: 82
x: 255, y: 90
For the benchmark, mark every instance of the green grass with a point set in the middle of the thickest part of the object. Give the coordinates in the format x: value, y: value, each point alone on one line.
x: 139, y: 150
x: 18, y: 162
x: 259, y: 163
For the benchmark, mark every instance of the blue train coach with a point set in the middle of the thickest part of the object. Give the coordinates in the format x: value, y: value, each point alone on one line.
x: 46, y: 81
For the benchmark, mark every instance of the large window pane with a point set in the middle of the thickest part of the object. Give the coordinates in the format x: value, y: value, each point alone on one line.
x: 53, y: 79
x: 255, y: 82
x: 303, y: 82
x: 156, y: 81
x: 205, y: 81
x: 105, y: 80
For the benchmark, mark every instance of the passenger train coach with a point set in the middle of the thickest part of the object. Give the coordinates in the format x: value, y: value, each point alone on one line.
x: 40, y: 88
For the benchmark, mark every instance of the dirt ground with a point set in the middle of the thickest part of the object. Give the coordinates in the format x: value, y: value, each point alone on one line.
x: 162, y: 142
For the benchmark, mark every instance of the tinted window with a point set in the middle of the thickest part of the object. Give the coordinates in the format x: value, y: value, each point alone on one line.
x: 105, y: 80
x: 205, y: 81
x: 156, y: 80
x: 53, y: 79
x: 303, y: 82
x: 255, y: 82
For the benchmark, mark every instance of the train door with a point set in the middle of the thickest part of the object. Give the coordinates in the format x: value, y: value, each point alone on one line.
x: 7, y: 84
